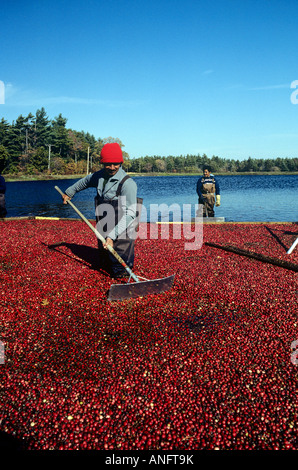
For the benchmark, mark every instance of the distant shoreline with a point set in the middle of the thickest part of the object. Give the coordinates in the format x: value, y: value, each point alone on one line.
x: 12, y: 178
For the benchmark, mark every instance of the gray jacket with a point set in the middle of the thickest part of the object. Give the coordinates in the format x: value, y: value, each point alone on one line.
x: 129, y: 190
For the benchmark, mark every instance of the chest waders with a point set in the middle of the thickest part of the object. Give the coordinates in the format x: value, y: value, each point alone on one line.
x: 107, y: 220
x: 208, y: 198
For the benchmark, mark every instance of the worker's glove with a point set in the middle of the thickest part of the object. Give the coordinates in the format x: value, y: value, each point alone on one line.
x: 217, y: 200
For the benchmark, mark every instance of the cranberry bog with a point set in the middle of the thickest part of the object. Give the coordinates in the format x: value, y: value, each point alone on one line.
x: 210, y: 364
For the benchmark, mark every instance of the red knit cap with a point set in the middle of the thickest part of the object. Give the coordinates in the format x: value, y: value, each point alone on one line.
x: 111, y: 153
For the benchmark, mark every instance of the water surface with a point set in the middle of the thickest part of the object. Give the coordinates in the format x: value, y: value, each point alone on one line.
x: 244, y: 198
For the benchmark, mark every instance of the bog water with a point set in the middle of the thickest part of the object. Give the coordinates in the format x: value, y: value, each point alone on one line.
x: 244, y: 198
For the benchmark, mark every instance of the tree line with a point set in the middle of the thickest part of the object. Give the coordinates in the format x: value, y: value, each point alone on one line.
x: 195, y: 163
x: 37, y: 145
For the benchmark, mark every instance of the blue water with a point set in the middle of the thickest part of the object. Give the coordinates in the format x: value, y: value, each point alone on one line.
x: 244, y: 198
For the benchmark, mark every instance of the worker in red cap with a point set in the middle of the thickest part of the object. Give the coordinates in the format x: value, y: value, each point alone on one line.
x: 115, y: 208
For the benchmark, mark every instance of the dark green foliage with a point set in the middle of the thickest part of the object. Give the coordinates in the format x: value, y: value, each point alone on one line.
x: 195, y: 163
x: 36, y: 144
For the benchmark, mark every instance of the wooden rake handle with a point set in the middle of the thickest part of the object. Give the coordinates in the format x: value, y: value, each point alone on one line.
x: 101, y: 238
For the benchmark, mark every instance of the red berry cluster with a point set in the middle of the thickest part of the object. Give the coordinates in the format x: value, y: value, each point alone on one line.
x: 205, y: 365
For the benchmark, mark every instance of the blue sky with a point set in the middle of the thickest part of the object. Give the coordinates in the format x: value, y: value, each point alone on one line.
x: 165, y: 77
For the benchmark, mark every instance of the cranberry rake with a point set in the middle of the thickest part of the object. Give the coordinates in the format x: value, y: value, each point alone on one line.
x: 139, y: 288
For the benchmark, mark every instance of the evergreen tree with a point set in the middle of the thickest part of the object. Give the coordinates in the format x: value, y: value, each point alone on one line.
x: 60, y: 138
x: 14, y: 149
x: 4, y: 134
x: 21, y: 126
x: 42, y: 128
x: 3, y: 157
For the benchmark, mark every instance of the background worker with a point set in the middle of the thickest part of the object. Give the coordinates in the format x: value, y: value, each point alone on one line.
x: 115, y: 208
x: 208, y: 192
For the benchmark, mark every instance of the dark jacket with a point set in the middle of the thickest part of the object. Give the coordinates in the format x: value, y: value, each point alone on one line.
x: 2, y: 185
x: 208, y: 181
